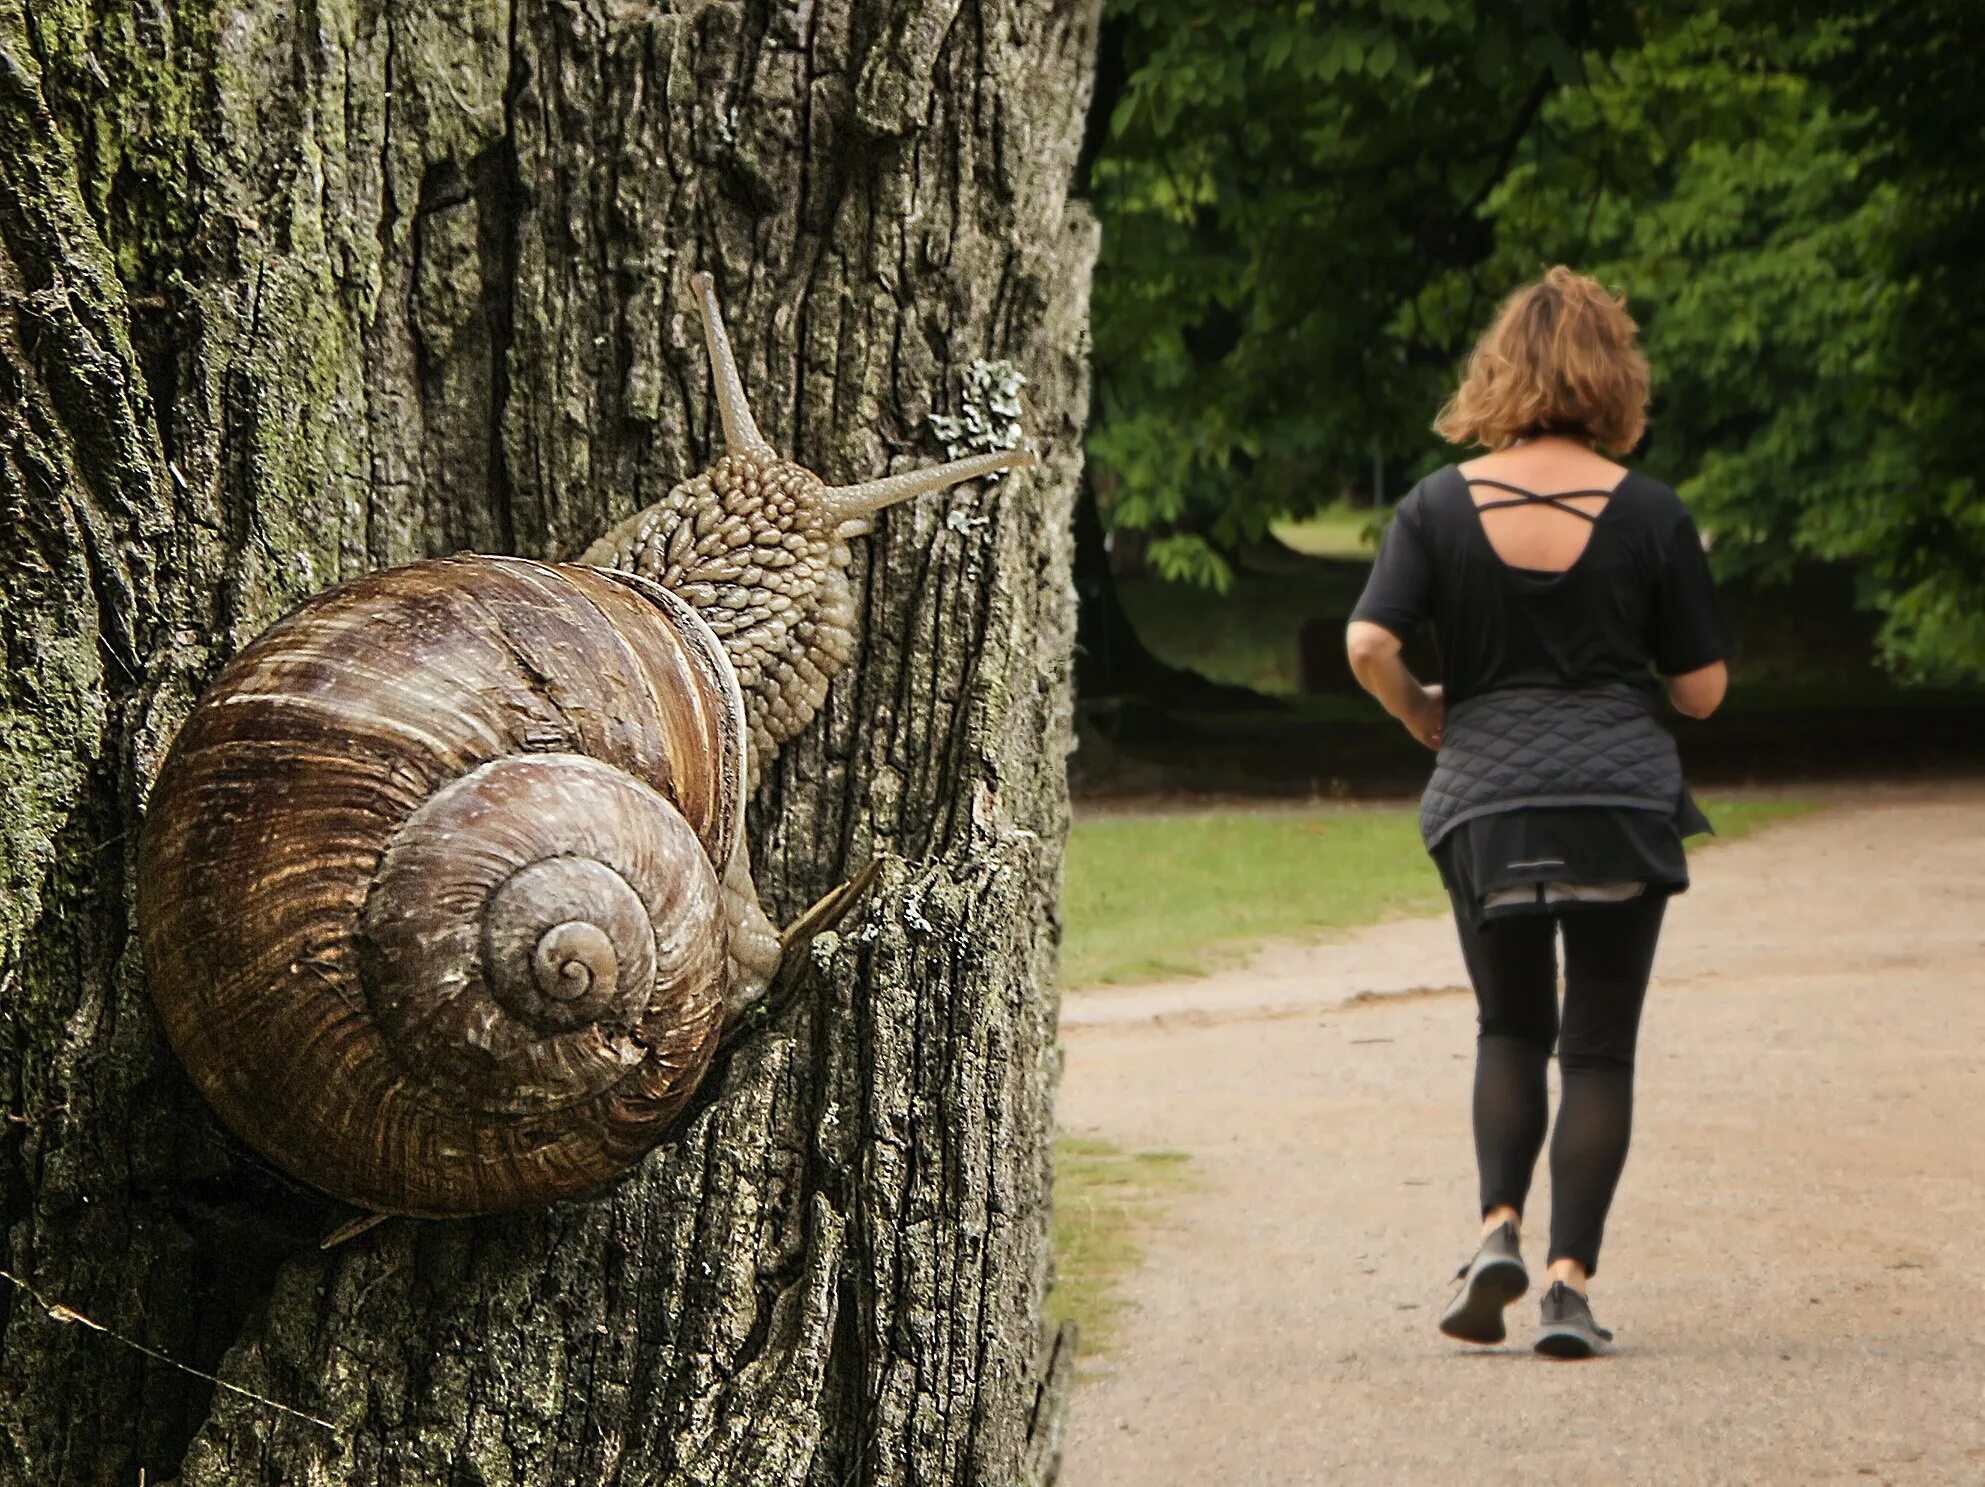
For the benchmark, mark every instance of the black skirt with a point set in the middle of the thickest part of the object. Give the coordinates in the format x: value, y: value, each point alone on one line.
x: 1566, y: 844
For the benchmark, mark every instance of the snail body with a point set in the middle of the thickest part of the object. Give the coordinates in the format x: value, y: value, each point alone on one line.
x: 443, y: 888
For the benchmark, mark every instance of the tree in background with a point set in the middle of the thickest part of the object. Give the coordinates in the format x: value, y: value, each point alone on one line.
x: 292, y: 292
x: 1309, y: 215
x: 1785, y: 199
x: 1278, y: 187
x: 1912, y: 80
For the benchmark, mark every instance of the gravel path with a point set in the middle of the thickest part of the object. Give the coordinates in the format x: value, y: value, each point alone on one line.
x: 1795, y: 1263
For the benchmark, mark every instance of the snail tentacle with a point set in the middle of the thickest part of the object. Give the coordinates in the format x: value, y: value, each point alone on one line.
x: 741, y: 434
x: 760, y: 546
x: 871, y: 496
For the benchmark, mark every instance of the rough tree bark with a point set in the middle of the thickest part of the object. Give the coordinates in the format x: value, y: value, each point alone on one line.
x: 292, y: 291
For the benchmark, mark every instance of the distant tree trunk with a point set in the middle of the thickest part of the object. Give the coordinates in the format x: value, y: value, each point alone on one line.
x: 1111, y: 658
x: 288, y: 292
x: 1112, y: 662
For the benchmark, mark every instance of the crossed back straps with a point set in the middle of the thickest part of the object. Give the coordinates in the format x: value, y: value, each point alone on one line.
x: 1521, y: 497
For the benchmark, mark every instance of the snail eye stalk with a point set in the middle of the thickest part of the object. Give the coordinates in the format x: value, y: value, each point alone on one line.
x: 871, y: 496
x: 741, y: 434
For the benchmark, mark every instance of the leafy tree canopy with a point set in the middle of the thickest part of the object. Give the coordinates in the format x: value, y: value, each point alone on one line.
x: 1280, y: 185
x: 1310, y: 211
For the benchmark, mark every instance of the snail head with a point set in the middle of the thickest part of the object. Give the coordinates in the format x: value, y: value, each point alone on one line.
x: 759, y: 546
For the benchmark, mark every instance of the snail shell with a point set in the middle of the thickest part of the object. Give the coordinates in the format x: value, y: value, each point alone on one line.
x: 431, y: 887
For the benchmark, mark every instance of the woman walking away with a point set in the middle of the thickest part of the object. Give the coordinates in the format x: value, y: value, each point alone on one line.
x: 1554, y: 580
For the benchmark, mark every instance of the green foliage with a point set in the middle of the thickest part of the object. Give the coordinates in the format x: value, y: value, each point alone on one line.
x: 1279, y: 183
x: 1721, y: 181
x: 1310, y: 213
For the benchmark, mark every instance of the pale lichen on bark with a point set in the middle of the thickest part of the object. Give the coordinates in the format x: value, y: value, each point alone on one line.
x: 291, y: 292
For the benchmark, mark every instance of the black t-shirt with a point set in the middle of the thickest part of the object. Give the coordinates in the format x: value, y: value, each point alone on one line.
x: 1640, y: 593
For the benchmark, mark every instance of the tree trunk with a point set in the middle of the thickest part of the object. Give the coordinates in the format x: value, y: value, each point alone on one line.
x: 294, y: 291
x: 1112, y: 662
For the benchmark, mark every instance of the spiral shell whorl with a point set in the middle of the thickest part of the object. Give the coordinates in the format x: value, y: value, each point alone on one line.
x: 560, y: 972
x: 536, y: 929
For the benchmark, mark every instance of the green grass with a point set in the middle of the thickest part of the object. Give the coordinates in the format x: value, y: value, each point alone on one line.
x: 1106, y: 1200
x: 1337, y: 531
x: 1158, y: 896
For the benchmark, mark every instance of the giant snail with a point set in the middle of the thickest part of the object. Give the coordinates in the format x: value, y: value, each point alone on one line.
x: 443, y: 890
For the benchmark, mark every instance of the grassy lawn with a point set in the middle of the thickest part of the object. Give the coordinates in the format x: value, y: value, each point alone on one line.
x: 1106, y: 1199
x: 1152, y: 897
x: 1338, y: 531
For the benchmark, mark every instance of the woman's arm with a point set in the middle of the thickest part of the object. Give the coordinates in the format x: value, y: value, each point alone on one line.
x: 1375, y: 661
x: 1690, y: 638
x: 1698, y: 693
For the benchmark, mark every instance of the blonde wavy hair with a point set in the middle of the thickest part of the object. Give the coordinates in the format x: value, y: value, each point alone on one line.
x: 1561, y: 358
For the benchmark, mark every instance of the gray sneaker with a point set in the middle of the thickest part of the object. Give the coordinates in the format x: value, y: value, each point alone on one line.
x: 1566, y: 1328
x: 1489, y: 1282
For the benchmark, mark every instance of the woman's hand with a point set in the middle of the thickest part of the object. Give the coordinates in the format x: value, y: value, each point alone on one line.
x: 1426, y: 716
x: 1374, y: 655
x: 1700, y: 692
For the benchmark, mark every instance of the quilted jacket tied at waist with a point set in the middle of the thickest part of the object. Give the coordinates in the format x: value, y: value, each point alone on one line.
x: 1544, y: 746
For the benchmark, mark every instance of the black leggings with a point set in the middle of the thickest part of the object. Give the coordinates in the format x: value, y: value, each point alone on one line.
x: 1609, y: 951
